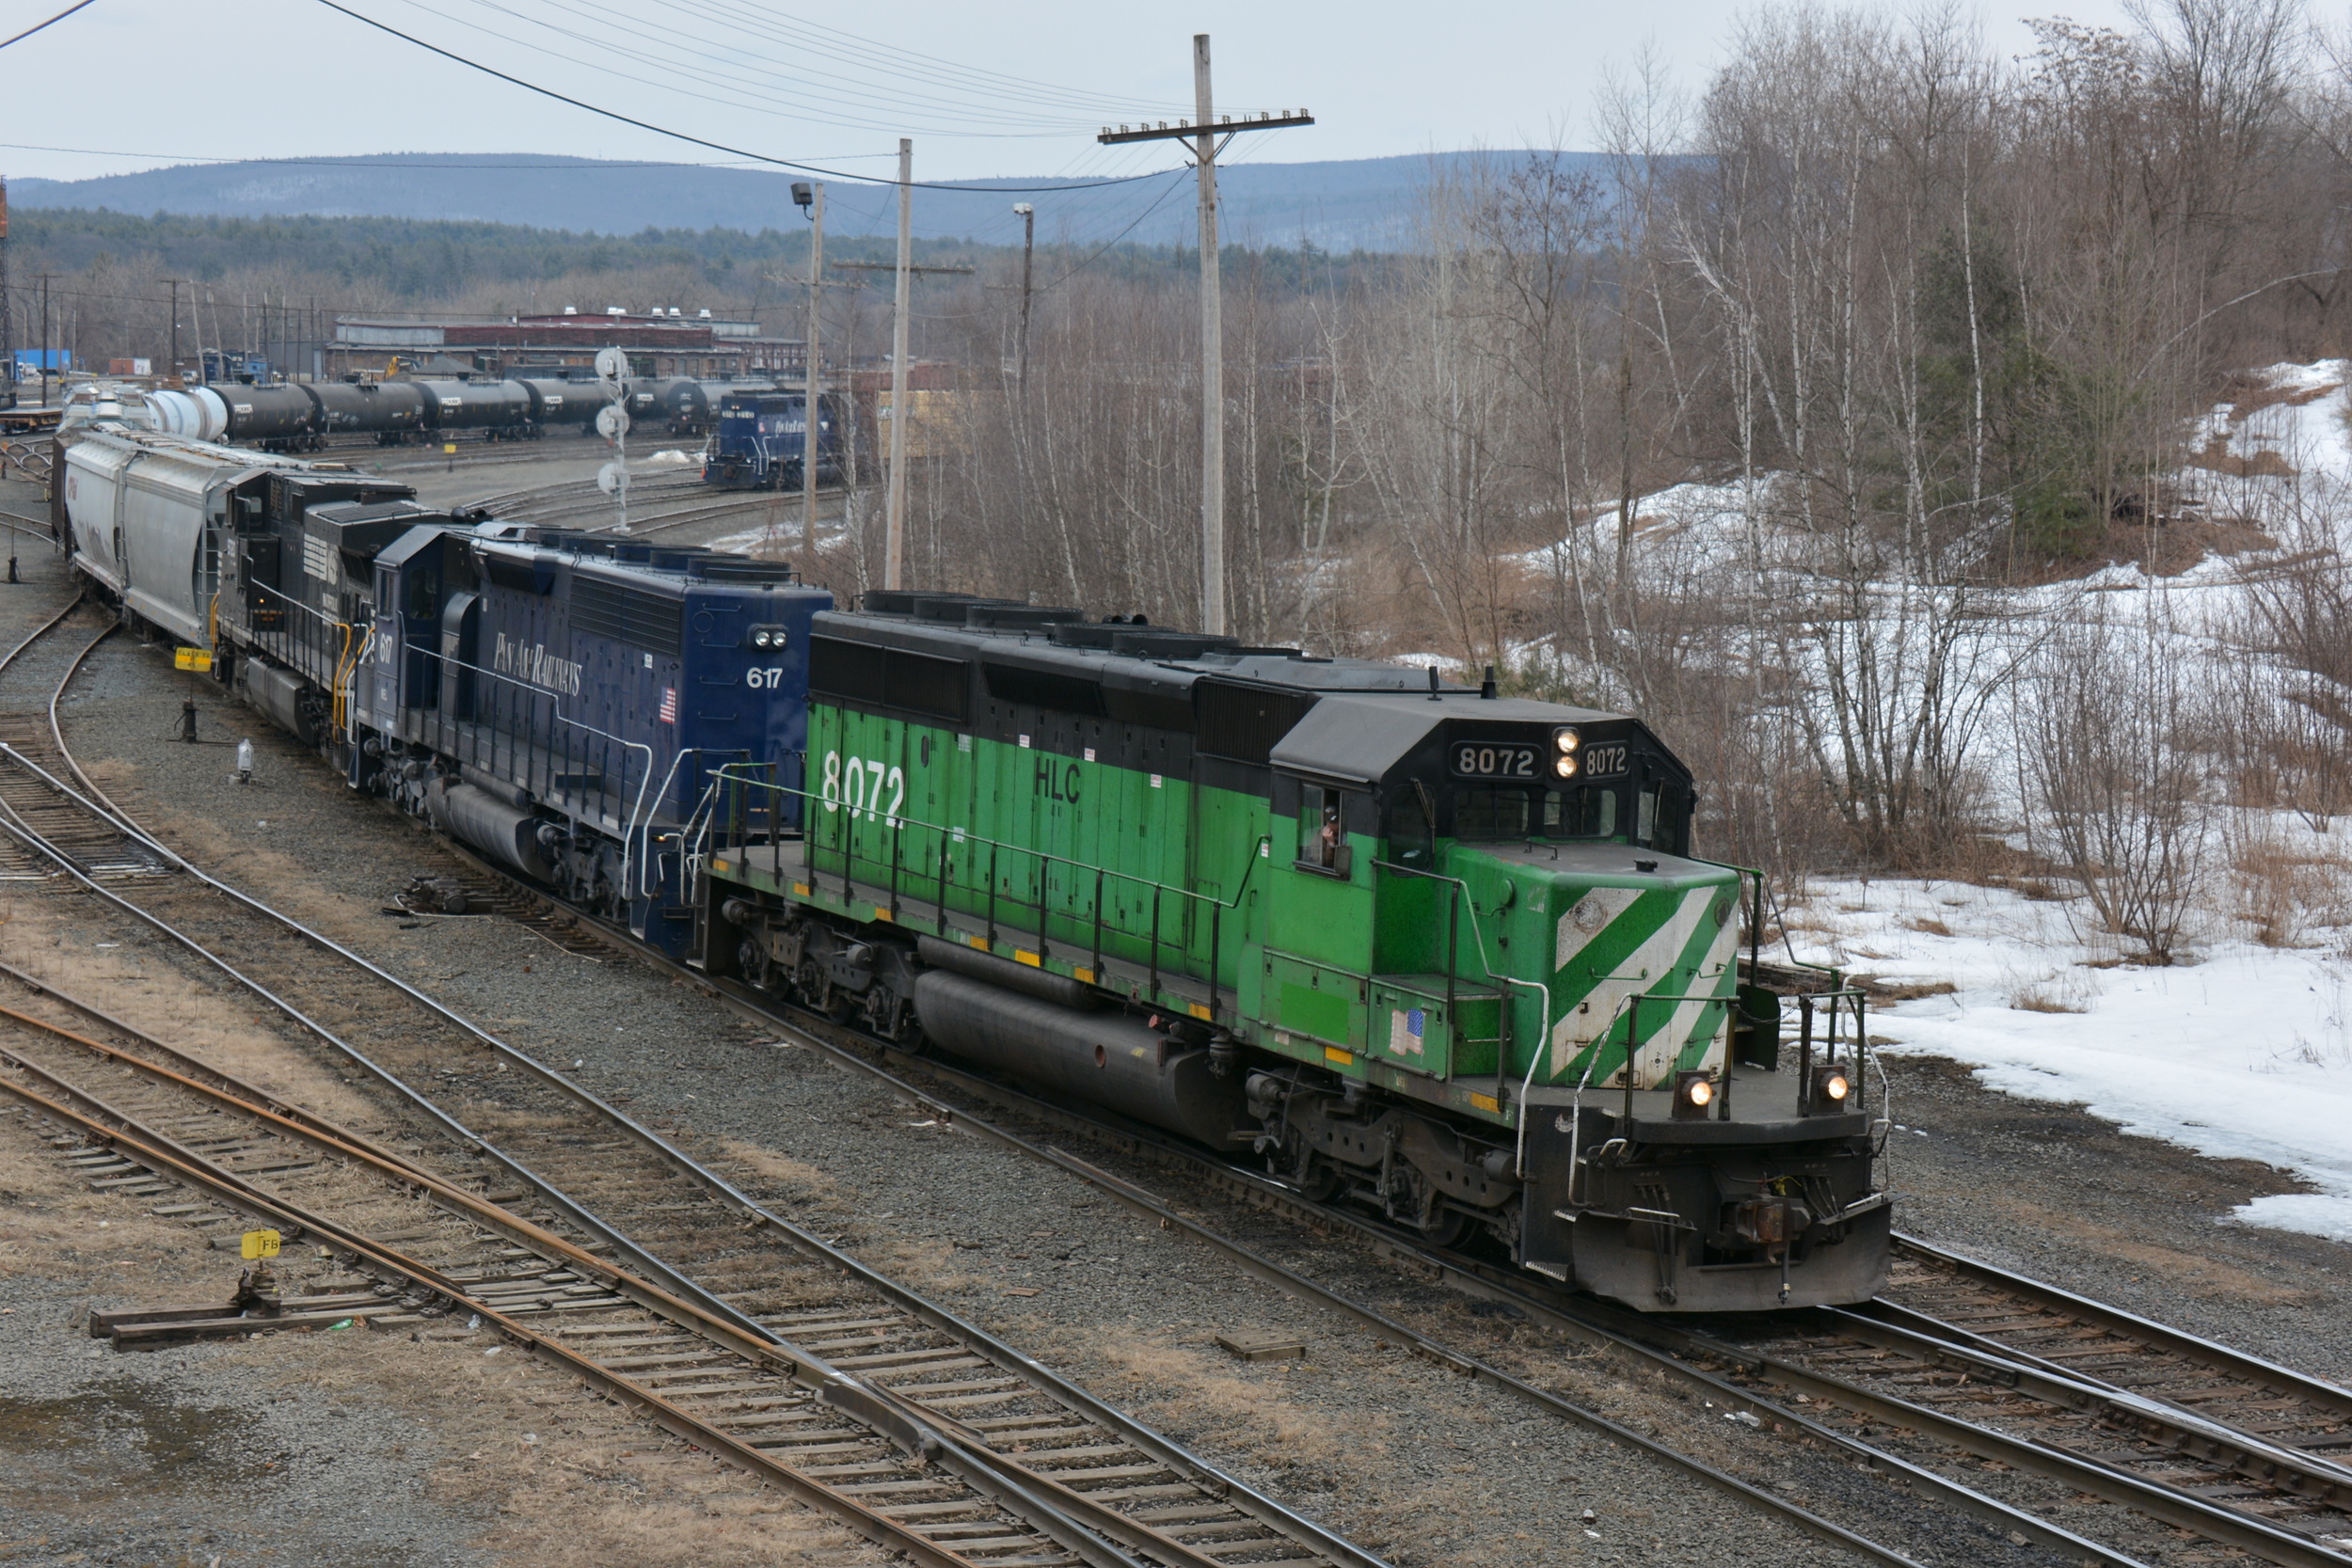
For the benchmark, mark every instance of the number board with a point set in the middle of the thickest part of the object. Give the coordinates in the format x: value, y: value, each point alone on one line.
x: 1495, y: 759
x: 1606, y: 761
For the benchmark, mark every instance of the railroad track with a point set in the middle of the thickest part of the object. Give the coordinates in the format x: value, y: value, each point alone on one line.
x: 1897, y: 1369
x: 2221, y: 1474
x: 933, y: 1422
x: 2242, y: 1466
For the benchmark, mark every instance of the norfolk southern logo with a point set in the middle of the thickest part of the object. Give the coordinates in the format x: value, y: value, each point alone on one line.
x: 537, y: 666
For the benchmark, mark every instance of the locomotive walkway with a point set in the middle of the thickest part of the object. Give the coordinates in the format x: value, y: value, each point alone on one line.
x: 653, y: 1278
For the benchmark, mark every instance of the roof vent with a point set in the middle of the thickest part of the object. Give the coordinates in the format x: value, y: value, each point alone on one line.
x: 1018, y: 617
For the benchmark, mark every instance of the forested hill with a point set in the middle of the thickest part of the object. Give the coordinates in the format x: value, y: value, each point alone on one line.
x: 1366, y: 203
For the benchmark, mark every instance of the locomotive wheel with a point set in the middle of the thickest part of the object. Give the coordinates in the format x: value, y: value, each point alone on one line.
x: 815, y: 985
x: 1444, y: 1227
x: 751, y: 960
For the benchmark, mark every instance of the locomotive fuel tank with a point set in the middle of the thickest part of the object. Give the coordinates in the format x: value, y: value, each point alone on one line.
x: 1103, y: 1057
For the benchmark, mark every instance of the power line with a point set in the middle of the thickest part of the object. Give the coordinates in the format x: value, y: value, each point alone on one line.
x: 681, y: 135
x: 373, y: 161
x: 983, y: 100
x: 51, y: 23
x: 739, y: 92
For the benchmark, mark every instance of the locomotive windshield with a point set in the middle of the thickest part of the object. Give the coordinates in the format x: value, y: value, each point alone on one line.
x: 1658, y: 817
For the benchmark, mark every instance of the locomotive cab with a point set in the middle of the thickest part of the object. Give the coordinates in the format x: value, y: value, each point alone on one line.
x: 1546, y: 952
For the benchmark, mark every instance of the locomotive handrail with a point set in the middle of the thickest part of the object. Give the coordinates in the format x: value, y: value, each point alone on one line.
x: 963, y: 835
x: 1211, y: 903
x: 1576, y: 1102
x: 1478, y: 938
x: 555, y: 712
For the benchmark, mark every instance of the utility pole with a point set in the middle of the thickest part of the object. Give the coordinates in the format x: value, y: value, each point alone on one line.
x: 895, y: 527
x: 45, y: 337
x: 1203, y: 134
x: 171, y: 366
x: 1028, y: 249
x: 814, y: 205
x: 7, y: 305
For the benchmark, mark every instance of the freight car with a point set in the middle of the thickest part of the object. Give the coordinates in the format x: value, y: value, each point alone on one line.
x: 1421, y: 947
x: 556, y: 699
x: 300, y: 416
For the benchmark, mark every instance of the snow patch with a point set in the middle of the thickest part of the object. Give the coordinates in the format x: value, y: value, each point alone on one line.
x: 2244, y: 1056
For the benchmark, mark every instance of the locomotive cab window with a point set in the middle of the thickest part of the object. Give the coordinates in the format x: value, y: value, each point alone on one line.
x: 1664, y: 818
x: 1507, y: 811
x: 1412, y: 836
x: 1321, y: 830
x: 1585, y: 812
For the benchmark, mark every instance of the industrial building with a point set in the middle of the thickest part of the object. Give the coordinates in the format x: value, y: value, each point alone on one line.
x: 665, y: 342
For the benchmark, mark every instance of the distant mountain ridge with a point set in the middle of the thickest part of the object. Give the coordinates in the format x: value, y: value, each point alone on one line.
x: 1363, y: 203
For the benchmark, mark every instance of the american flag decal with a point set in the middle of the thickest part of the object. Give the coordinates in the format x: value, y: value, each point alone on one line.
x: 669, y: 704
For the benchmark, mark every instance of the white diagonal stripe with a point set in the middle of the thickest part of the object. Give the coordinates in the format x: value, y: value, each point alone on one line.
x: 1641, y: 967
x: 1607, y: 903
x: 1659, y: 1060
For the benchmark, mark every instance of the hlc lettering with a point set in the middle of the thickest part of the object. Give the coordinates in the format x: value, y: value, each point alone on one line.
x: 1057, y: 781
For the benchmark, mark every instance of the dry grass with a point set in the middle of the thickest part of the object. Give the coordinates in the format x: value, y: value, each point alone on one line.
x: 797, y: 1178
x: 1922, y: 924
x: 137, y: 984
x: 2284, y: 894
x: 1252, y: 1409
x: 2068, y: 990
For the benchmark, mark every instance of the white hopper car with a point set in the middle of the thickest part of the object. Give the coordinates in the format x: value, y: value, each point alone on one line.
x: 148, y: 512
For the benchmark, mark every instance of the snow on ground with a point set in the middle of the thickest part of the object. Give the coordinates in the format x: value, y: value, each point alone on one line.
x: 2245, y: 1055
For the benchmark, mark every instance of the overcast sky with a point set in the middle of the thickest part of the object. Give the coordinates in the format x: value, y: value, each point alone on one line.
x: 985, y: 88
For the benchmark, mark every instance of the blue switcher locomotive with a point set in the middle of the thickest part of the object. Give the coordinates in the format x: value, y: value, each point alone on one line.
x: 557, y: 700
x: 760, y: 440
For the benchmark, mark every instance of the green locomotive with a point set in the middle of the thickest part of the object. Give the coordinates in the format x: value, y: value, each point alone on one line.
x: 1411, y: 945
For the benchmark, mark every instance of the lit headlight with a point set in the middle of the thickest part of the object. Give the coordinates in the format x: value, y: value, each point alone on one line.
x: 1835, y: 1086
x: 1565, y: 767
x: 1565, y: 739
x: 1694, y: 1091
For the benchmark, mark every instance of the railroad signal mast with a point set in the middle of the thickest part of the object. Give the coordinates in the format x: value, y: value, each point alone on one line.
x: 1205, y: 134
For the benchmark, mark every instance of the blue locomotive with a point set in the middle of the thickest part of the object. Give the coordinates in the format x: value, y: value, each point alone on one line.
x: 760, y: 442
x: 557, y: 700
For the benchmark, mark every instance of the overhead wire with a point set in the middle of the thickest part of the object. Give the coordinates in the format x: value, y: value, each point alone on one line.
x: 984, y: 106
x: 736, y: 92
x: 51, y: 23
x: 688, y: 137
x: 996, y: 84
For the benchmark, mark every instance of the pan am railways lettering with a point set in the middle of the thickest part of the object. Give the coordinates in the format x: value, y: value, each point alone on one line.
x: 537, y: 666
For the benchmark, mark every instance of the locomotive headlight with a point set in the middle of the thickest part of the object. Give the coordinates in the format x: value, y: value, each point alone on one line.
x: 1565, y: 739
x: 1565, y: 767
x: 1830, y: 1089
x: 1694, y: 1091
